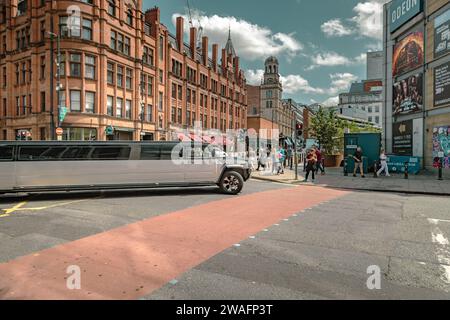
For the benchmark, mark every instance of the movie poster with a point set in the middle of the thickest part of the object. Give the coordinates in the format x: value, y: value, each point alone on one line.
x: 441, y: 146
x: 408, y: 95
x: 442, y: 34
x: 402, y: 138
x: 408, y: 53
x: 442, y: 85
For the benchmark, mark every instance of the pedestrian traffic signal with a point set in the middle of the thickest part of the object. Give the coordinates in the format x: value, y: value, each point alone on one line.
x: 299, y: 130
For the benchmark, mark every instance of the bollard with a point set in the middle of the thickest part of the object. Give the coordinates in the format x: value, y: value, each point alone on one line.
x: 375, y: 169
x: 345, y: 168
x: 440, y: 169
x: 406, y: 170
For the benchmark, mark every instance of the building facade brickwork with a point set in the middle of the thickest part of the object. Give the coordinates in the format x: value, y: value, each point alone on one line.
x: 120, y: 68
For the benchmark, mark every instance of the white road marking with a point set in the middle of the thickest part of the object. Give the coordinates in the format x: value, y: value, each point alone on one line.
x: 436, y: 221
x: 442, y: 252
x: 237, y: 245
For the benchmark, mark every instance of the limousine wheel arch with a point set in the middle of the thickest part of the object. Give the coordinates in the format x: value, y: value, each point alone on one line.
x: 231, y: 182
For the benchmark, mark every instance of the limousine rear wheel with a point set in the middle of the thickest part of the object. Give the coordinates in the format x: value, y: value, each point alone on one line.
x: 231, y: 182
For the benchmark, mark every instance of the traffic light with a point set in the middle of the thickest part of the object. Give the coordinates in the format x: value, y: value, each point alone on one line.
x: 299, y: 130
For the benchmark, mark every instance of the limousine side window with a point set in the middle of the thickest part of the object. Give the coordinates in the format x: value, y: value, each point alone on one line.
x: 76, y: 153
x: 150, y: 152
x: 6, y: 153
x: 111, y: 153
x: 40, y: 153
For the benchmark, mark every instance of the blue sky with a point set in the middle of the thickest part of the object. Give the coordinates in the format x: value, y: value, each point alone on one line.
x: 321, y: 44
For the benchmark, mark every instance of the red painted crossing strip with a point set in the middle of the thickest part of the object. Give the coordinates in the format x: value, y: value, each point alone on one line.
x: 136, y: 259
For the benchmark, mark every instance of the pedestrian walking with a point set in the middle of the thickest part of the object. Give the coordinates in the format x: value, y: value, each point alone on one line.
x: 384, y: 166
x: 275, y: 159
x: 319, y: 164
x: 281, y: 154
x: 289, y: 155
x: 311, y: 160
x: 262, y: 159
x: 358, y: 162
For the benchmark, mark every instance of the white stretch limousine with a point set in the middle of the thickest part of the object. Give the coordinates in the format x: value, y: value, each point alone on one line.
x: 38, y: 166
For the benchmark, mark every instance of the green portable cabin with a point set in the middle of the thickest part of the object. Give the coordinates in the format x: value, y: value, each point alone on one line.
x: 371, y: 148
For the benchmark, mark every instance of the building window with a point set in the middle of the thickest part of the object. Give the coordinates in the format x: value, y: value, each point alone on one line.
x: 75, y: 65
x: 42, y: 28
x: 89, y: 67
x: 147, y: 56
x: 74, y: 30
x: 180, y: 116
x: 24, y: 72
x: 89, y: 102
x: 149, y: 113
x: 43, y: 101
x: 113, y: 40
x: 120, y: 76
x: 150, y: 86
x: 129, y: 79
x: 17, y: 106
x: 112, y: 7
x: 130, y: 17
x: 109, y: 105
x: 161, y: 76
x: 174, y: 114
x: 110, y: 73
x: 87, y: 29
x: 160, y: 101
x: 120, y: 42
x: 42, y: 69
x: 180, y: 92
x: 161, y: 48
x: 22, y: 7
x: 128, y: 109
x: 119, y: 105
x: 24, y: 104
x: 174, y: 91
x: 4, y: 77
x: 75, y: 100
x: 17, y: 73
x: 127, y: 46
x: 377, y: 119
x: 370, y: 109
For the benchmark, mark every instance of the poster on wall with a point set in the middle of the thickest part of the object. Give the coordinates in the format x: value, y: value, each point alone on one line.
x: 408, y: 53
x: 442, y: 34
x: 402, y: 138
x: 408, y: 95
x: 442, y: 84
x: 441, y: 146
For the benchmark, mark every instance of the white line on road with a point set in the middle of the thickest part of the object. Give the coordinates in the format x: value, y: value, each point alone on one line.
x: 436, y: 221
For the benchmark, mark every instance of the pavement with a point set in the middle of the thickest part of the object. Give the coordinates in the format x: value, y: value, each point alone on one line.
x: 426, y: 183
x: 273, y: 241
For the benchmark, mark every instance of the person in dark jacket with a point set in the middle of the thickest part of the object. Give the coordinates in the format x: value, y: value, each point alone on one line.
x: 358, y: 162
x: 311, y: 160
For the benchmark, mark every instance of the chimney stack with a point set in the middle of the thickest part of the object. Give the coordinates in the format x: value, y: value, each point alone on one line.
x: 215, y: 56
x: 205, y: 51
x: 193, y: 42
x: 224, y: 59
x: 180, y: 33
x: 236, y: 67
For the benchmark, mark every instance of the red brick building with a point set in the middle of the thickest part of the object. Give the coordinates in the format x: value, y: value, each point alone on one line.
x: 120, y: 68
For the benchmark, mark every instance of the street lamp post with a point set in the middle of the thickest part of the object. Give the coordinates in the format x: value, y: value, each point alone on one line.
x: 58, y: 80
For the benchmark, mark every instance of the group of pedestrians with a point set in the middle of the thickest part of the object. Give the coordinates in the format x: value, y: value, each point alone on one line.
x: 358, y: 158
x: 274, y: 160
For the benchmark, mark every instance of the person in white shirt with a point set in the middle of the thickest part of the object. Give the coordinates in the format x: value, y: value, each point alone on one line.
x: 384, y: 166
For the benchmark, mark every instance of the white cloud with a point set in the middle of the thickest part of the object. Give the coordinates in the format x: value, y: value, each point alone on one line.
x: 341, y: 82
x: 367, y: 21
x: 254, y: 77
x: 251, y: 41
x: 335, y: 28
x: 332, y: 59
x: 294, y: 83
x: 331, y: 102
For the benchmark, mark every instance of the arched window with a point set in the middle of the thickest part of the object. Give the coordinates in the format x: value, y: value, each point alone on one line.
x: 270, y: 69
x: 112, y: 7
x: 130, y: 17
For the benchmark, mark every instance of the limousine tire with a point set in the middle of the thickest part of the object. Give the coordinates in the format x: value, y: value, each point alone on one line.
x: 231, y: 183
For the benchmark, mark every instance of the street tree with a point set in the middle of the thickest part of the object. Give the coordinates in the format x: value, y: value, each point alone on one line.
x: 325, y: 128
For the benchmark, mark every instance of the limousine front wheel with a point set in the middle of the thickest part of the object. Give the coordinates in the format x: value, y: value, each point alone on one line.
x: 231, y: 182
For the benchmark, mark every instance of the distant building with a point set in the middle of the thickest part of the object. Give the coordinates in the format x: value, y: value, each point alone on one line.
x: 364, y: 100
x: 374, y: 65
x: 266, y: 109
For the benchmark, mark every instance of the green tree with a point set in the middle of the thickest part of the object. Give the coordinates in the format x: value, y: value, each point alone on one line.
x: 325, y: 128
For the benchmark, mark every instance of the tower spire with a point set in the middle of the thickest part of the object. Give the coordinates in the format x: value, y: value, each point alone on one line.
x: 229, y: 46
